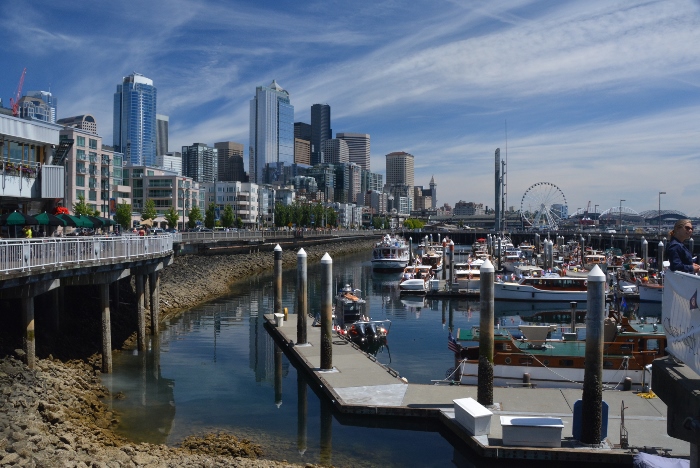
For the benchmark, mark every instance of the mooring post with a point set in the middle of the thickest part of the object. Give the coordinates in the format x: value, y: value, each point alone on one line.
x: 645, y: 253
x: 582, y: 247
x: 106, y: 329
x: 302, y: 296
x: 28, y: 338
x: 302, y: 405
x: 326, y: 441
x: 500, y: 252
x: 660, y: 256
x: 452, y: 263
x: 486, y: 317
x: 592, y: 404
x: 141, y: 312
x: 327, y: 312
x: 154, y: 283
x: 444, y: 258
x: 278, y: 279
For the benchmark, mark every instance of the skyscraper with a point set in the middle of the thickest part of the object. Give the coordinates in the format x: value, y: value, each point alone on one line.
x: 358, y: 145
x: 200, y: 162
x: 320, y: 131
x: 399, y: 169
x: 335, y: 151
x: 230, y: 161
x: 271, y: 130
x: 48, y: 99
x: 135, y: 120
x: 162, y: 123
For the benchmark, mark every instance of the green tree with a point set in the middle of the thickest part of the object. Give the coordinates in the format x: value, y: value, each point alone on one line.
x: 82, y: 208
x: 227, y: 217
x: 149, y: 210
x: 239, y: 222
x: 172, y: 217
x: 194, y: 216
x: 210, y: 216
x: 123, y: 215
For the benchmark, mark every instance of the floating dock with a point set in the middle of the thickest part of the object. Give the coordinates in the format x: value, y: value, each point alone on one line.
x: 359, y: 385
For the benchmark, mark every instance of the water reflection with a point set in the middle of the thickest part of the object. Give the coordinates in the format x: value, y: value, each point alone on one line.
x: 216, y: 368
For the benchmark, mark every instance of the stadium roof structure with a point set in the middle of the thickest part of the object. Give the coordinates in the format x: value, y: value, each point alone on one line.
x: 624, y: 213
x: 649, y: 215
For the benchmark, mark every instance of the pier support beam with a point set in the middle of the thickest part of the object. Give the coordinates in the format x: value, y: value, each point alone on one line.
x: 278, y: 279
x: 114, y: 296
x: 141, y: 312
x: 486, y: 317
x: 592, y: 406
x: 326, y: 312
x: 302, y: 296
x: 326, y: 432
x: 154, y: 283
x: 106, y: 330
x: 278, y: 376
x: 28, y: 323
x: 302, y: 405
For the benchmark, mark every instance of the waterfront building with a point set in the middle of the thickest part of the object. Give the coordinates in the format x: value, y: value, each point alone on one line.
x: 230, y: 161
x: 27, y: 146
x: 170, y: 161
x: 200, y: 162
x: 371, y: 181
x: 84, y: 122
x: 305, y: 186
x: 349, y: 214
x: 325, y: 180
x: 135, y: 120
x: 320, y: 131
x: 243, y: 197
x: 285, y: 195
x: 463, y: 208
x: 376, y: 200
x: 358, y: 148
x: 271, y: 130
x: 35, y: 108
x: 166, y: 189
x: 162, y: 123
x: 335, y: 151
x: 94, y: 171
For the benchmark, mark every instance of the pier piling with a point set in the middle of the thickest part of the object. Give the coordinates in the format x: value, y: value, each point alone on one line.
x: 29, y: 338
x: 593, y: 370
x: 278, y: 279
x: 452, y: 263
x: 106, y: 329
x: 302, y: 404
x: 486, y: 311
x: 154, y: 283
x: 302, y: 296
x: 326, y: 312
x: 573, y: 316
x: 141, y: 312
x: 660, y: 256
x: 645, y: 253
x: 278, y: 376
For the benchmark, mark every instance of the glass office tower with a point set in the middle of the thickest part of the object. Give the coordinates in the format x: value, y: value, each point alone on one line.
x: 135, y: 127
x: 271, y: 130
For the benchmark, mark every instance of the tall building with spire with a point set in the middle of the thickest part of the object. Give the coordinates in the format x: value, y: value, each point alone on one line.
x: 134, y: 120
x: 271, y: 130
x: 320, y: 131
x: 433, y: 192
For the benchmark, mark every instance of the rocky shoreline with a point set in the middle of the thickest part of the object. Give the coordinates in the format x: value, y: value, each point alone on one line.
x: 58, y: 414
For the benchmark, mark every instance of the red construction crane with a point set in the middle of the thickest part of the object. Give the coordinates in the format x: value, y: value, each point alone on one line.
x: 14, y: 103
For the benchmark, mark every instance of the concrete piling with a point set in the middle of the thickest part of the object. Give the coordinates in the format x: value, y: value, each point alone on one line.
x: 302, y: 296
x: 660, y: 256
x: 154, y: 283
x: 28, y: 339
x: 486, y: 318
x: 141, y: 312
x: 444, y: 258
x: 278, y: 279
x: 106, y: 329
x: 278, y: 376
x: 452, y: 263
x: 593, y: 370
x: 326, y: 441
x: 302, y: 412
x: 645, y: 253
x: 327, y: 312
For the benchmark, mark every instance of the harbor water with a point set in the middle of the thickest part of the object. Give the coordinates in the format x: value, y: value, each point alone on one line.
x: 214, y: 369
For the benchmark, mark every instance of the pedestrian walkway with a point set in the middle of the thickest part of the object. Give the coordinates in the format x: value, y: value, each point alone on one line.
x: 358, y: 384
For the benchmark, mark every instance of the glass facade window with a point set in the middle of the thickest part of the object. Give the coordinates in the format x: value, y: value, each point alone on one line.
x: 80, y: 155
x: 125, y: 173
x: 93, y: 157
x: 93, y: 195
x: 93, y: 143
x: 80, y: 181
x: 134, y: 120
x: 80, y: 141
x: 79, y: 193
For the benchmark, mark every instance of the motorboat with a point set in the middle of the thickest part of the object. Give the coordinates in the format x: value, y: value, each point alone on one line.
x: 545, y: 288
x: 349, y: 306
x: 512, y: 259
x: 628, y: 352
x: 390, y: 254
x: 416, y: 279
x: 467, y: 276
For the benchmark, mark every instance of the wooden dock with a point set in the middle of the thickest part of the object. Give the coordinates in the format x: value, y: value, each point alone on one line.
x: 360, y: 385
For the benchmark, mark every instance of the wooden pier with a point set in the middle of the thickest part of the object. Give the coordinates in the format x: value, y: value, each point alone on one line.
x: 359, y: 385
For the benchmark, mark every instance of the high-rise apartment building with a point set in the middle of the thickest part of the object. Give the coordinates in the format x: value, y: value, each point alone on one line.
x: 170, y: 161
x: 358, y: 145
x: 335, y: 151
x: 271, y: 130
x: 320, y: 131
x: 302, y: 151
x: 135, y: 120
x: 230, y: 161
x: 302, y: 130
x: 399, y: 169
x: 49, y: 100
x: 162, y: 123
x: 84, y: 122
x: 200, y: 162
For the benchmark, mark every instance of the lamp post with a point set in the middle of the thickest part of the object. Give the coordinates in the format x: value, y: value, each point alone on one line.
x: 595, y: 221
x: 621, y: 214
x: 660, y: 193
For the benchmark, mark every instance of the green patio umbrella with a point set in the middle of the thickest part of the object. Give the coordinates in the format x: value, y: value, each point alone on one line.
x: 107, y: 221
x: 70, y: 220
x: 17, y: 219
x: 87, y: 223
x: 96, y: 222
x: 46, y: 219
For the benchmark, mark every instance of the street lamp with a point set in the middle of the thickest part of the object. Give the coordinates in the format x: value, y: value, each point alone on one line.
x: 621, y: 214
x: 660, y: 193
x: 595, y: 222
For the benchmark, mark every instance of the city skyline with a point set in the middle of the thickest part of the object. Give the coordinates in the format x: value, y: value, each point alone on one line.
x: 600, y: 99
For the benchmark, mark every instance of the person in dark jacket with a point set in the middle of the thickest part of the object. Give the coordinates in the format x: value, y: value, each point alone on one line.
x: 679, y: 256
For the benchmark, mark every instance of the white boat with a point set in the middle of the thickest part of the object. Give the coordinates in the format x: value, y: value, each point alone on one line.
x: 468, y: 275
x: 391, y: 253
x: 512, y: 259
x: 416, y: 279
x: 592, y: 259
x: 547, y: 288
x: 349, y: 306
x: 529, y: 271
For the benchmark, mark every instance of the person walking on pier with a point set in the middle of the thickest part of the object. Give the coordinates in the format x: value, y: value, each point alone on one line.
x: 679, y: 256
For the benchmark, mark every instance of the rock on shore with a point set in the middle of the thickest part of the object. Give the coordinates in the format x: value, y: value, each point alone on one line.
x: 193, y: 279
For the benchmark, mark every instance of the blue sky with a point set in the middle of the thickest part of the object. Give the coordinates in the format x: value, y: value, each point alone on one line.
x: 600, y: 98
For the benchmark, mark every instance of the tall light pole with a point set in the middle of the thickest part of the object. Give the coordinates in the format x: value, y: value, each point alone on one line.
x: 621, y: 214
x: 660, y: 193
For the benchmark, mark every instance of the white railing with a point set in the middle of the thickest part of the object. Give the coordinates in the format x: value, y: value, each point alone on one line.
x: 34, y: 255
x: 253, y: 234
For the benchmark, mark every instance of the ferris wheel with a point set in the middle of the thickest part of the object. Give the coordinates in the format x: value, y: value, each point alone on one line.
x: 543, y: 206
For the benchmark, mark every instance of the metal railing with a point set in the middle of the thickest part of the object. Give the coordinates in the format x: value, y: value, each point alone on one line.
x: 253, y: 234
x: 34, y: 255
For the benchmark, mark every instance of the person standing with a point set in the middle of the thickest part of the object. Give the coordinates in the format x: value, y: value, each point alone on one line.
x: 679, y: 257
